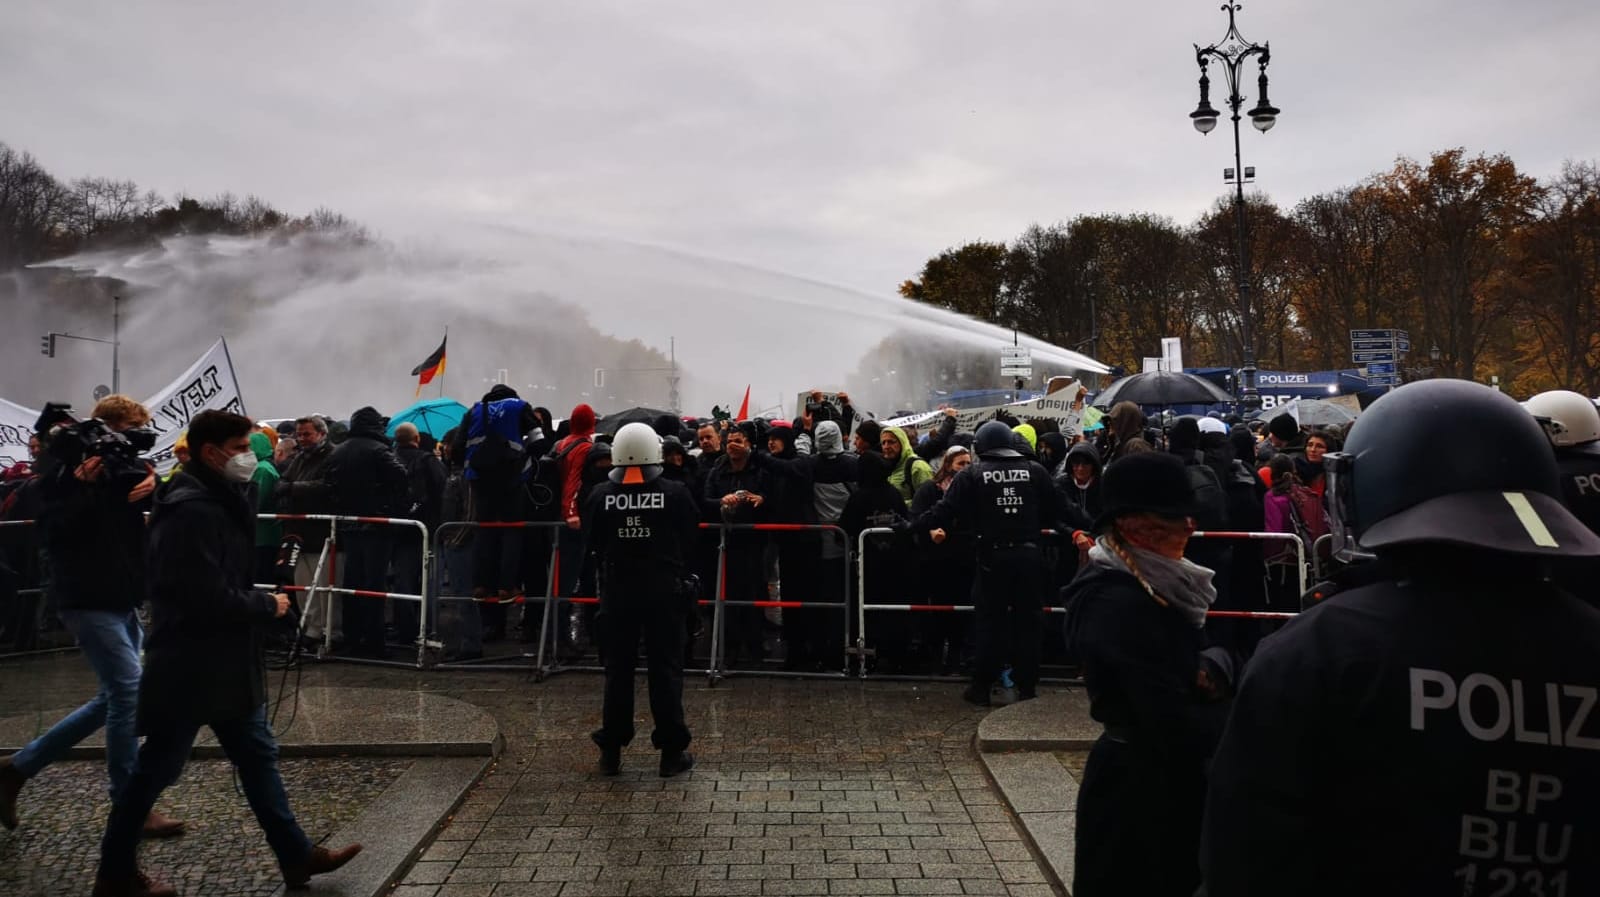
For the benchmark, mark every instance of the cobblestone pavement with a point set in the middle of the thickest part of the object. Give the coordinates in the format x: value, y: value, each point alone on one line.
x: 802, y: 788
x: 63, y: 812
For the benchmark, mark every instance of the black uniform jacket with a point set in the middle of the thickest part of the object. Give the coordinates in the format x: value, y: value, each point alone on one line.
x: 1436, y: 736
x: 203, y: 656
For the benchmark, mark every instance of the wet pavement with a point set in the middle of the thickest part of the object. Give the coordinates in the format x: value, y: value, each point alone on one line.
x: 802, y: 788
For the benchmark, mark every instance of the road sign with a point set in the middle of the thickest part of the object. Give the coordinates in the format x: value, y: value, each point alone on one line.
x: 1016, y: 361
x: 1382, y: 367
x: 1371, y: 357
x: 1383, y: 380
x: 1403, y: 344
x: 1384, y: 335
x: 1369, y: 345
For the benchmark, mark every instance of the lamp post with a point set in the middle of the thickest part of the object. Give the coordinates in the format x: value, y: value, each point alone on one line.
x: 1231, y: 53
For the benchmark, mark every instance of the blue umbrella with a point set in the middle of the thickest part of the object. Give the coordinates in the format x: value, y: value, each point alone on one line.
x: 435, y: 417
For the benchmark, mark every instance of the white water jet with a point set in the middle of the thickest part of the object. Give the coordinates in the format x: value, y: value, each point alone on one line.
x: 319, y: 323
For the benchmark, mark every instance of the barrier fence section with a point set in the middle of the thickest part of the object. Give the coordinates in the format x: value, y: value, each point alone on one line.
x: 436, y: 589
x: 861, y: 584
x: 329, y: 550
x: 718, y: 619
x: 31, y: 601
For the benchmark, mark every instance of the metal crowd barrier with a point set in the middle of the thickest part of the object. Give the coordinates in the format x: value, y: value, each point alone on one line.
x: 718, y: 626
x: 862, y: 606
x: 508, y: 663
x: 329, y: 550
x: 37, y: 594
x: 1299, y: 554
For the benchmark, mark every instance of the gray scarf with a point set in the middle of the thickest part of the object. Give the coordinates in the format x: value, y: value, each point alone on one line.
x: 1183, y: 584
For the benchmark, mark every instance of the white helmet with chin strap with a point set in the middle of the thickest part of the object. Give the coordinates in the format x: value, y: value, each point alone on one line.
x: 1568, y: 418
x: 635, y: 454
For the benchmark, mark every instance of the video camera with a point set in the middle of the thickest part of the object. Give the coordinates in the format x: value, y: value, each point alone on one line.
x: 73, y: 442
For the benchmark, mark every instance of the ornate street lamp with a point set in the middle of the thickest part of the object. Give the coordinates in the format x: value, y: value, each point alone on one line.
x: 1231, y: 53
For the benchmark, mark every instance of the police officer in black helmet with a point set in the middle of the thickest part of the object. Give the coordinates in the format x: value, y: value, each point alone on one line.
x: 642, y: 528
x: 1008, y: 500
x: 1436, y: 731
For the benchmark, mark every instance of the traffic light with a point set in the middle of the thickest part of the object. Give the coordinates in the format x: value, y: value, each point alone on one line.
x: 47, y: 345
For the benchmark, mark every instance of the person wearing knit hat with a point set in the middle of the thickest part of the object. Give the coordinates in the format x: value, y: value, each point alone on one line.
x: 1135, y: 618
x: 1283, y: 435
x: 868, y: 436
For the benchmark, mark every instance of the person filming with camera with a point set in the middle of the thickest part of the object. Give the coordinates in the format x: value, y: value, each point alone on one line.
x: 205, y: 662
x: 94, y: 490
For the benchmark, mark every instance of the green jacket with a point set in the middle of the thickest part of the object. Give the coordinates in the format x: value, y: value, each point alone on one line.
x: 909, y: 472
x: 268, y: 532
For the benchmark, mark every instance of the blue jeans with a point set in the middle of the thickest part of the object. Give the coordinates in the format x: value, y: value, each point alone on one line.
x: 249, y: 744
x: 110, y: 641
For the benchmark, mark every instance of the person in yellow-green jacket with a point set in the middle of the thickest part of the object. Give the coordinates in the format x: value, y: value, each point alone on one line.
x: 907, y: 472
x: 269, y: 533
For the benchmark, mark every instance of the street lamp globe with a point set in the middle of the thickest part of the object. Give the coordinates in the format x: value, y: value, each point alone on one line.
x: 1434, y: 354
x: 1264, y: 117
x: 1205, y: 121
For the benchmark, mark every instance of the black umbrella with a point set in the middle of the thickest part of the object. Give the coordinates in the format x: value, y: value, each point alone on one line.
x: 611, y: 423
x: 1162, y: 388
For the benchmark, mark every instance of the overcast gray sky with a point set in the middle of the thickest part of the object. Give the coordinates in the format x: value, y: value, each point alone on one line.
x: 845, y: 141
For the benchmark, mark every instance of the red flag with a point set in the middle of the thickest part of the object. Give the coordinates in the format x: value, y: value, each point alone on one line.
x: 744, y: 407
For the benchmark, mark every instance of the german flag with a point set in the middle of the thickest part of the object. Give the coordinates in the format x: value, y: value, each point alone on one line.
x: 434, y: 365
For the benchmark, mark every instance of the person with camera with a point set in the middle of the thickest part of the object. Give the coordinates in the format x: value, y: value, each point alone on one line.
x: 303, y: 488
x: 205, y: 660
x: 92, y: 498
x: 641, y: 529
x: 1431, y: 728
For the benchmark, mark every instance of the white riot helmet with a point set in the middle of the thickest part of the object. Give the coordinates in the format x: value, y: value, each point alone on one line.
x: 635, y: 454
x: 1568, y: 418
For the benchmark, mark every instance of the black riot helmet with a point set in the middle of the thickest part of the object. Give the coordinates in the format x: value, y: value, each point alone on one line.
x: 995, y: 440
x: 1451, y: 462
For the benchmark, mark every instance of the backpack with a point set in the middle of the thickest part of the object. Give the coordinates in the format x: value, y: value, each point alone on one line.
x: 1210, y: 502
x: 544, y: 486
x: 1310, y: 518
x: 494, y: 440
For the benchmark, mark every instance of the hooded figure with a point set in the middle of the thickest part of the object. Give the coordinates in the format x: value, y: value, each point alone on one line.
x: 1123, y: 424
x: 269, y: 533
x: 1053, y: 452
x: 1079, y: 482
x: 574, y: 449
x: 1029, y: 435
x: 907, y: 472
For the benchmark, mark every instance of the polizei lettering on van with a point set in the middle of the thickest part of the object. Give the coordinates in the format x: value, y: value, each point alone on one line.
x: 636, y: 501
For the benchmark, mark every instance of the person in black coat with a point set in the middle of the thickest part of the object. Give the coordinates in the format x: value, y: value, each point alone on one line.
x: 876, y: 504
x: 367, y: 481
x: 425, y: 479
x: 205, y: 663
x: 1135, y: 618
x: 736, y: 492
x: 951, y: 567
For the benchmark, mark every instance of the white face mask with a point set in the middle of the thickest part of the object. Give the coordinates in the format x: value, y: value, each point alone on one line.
x: 241, y: 467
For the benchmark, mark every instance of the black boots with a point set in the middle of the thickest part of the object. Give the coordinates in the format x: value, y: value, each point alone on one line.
x: 675, y: 762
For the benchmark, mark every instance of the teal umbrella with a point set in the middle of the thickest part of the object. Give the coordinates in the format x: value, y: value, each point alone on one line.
x: 435, y: 417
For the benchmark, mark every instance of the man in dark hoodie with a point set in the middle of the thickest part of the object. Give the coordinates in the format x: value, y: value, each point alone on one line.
x: 204, y: 659
x: 425, y: 478
x: 798, y: 553
x: 736, y: 491
x: 367, y: 481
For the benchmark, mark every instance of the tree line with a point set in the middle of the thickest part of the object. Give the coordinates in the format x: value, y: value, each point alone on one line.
x: 43, y: 217
x: 1499, y: 270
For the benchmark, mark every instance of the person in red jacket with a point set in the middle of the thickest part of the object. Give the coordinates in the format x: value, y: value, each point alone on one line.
x: 573, y: 450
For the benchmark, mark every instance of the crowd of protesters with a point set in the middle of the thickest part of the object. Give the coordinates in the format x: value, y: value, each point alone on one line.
x: 833, y: 466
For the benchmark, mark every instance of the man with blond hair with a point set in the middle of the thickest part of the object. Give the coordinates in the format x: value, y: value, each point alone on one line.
x: 94, y: 536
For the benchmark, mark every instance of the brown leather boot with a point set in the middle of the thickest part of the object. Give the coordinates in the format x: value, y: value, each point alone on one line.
x: 159, y: 826
x: 10, y: 784
x: 137, y: 884
x: 320, y: 861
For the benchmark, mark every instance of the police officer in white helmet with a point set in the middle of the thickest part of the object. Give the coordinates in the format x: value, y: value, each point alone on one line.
x: 641, y: 529
x: 1435, y: 731
x: 1572, y: 422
